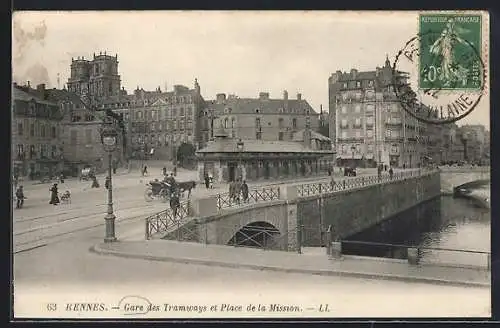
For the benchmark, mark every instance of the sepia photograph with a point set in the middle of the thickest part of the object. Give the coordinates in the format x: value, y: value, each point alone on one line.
x: 250, y: 164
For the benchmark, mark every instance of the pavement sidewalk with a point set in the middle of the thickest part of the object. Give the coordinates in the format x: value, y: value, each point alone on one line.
x: 318, y: 264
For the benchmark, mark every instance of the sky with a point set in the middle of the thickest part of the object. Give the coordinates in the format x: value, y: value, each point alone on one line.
x: 241, y: 53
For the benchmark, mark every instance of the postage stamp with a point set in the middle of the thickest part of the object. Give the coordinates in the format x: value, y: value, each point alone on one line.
x: 447, y: 53
x: 440, y: 75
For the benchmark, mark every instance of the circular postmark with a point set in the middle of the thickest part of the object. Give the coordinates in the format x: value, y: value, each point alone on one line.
x: 439, y: 77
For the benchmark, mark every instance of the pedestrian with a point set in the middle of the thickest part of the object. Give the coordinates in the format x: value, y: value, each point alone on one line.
x: 391, y: 173
x: 175, y: 171
x: 114, y: 168
x: 332, y: 183
x: 237, y: 190
x: 144, y: 170
x: 379, y: 171
x: 20, y: 197
x: 329, y: 171
x: 174, y: 203
x: 231, y: 191
x: 164, y: 171
x: 95, y: 183
x: 61, y: 177
x: 404, y: 166
x: 207, y: 181
x: 244, y: 191
x: 54, y: 195
x: 211, y: 181
x: 385, y: 167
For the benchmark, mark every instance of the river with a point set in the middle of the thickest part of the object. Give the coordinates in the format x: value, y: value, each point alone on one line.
x: 445, y: 222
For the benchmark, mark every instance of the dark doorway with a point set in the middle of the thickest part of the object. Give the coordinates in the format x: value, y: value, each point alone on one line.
x: 267, y: 172
x: 256, y: 234
x: 232, y: 171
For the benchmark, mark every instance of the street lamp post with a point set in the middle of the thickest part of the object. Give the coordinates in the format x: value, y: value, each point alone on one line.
x: 109, y: 138
x: 240, y: 146
x: 353, y: 148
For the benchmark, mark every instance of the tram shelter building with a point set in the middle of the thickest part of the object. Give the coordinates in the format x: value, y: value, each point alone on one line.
x: 227, y: 159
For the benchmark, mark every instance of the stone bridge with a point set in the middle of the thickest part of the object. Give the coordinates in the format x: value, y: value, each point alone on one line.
x: 466, y: 177
x: 277, y: 224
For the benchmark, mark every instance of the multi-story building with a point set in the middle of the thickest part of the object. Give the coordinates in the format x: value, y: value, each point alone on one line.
x: 370, y: 126
x: 159, y: 122
x: 259, y: 118
x: 36, y: 132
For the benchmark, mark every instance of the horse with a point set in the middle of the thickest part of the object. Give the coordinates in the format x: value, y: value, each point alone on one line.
x: 186, y: 186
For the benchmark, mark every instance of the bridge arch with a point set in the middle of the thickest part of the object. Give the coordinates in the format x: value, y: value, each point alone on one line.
x: 259, y: 234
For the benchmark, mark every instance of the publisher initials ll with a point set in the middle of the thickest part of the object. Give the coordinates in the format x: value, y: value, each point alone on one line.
x: 323, y: 308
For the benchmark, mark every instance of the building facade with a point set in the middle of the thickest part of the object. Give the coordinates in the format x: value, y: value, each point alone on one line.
x: 159, y: 122
x: 259, y: 118
x: 36, y: 132
x: 96, y: 79
x: 370, y: 126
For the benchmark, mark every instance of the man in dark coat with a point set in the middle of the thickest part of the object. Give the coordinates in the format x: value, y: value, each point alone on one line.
x: 207, y: 181
x: 244, y: 191
x: 20, y: 197
x: 174, y: 203
x: 54, y: 195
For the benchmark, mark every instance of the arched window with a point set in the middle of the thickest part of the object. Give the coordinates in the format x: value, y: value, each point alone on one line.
x: 225, y: 123
x: 233, y: 121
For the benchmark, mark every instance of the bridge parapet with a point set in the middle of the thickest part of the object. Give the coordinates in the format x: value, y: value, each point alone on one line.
x: 452, y: 178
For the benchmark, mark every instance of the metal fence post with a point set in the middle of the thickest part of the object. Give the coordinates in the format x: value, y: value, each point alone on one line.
x: 147, y: 229
x: 299, y: 239
x: 344, y: 184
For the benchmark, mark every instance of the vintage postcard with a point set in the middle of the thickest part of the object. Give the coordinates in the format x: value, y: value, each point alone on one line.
x: 250, y: 164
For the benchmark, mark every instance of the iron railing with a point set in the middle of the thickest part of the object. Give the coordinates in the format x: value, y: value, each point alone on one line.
x: 426, y: 255
x: 167, y: 220
x: 226, y: 200
x: 310, y: 189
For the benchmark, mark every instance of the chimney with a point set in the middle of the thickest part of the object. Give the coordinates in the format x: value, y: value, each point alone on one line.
x: 29, y: 85
x: 285, y: 95
x: 264, y: 95
x: 221, y: 97
x: 299, y: 96
x: 40, y: 88
x: 354, y: 72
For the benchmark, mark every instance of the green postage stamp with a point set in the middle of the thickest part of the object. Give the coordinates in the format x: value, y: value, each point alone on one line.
x: 450, y: 51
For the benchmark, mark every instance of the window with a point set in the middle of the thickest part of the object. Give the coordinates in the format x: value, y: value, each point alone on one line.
x: 152, y: 127
x: 88, y: 136
x: 343, y: 123
x: 190, y: 126
x: 358, y: 84
x: 358, y: 96
x: 294, y: 123
x: 370, y: 83
x: 225, y: 123
x: 343, y: 134
x: 357, y: 122
x: 32, y: 130
x: 280, y: 135
x: 190, y: 111
x: 280, y: 123
x: 233, y: 121
x: 369, y: 120
x: 174, y: 111
x: 233, y: 134
x: 358, y: 148
x: 181, y: 110
x: 369, y: 148
x: 74, y: 136
x: 181, y: 126
x: 20, y: 129
x: 42, y: 130
x: 344, y: 85
x: 344, y: 109
x: 20, y: 150
x: 357, y: 108
x: 369, y: 108
x: 369, y: 133
x: 388, y: 133
x: 358, y: 134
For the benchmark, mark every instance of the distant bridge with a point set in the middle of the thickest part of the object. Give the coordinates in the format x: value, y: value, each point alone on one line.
x: 464, y: 177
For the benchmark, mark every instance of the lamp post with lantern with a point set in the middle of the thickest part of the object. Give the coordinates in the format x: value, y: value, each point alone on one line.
x: 109, y: 138
x: 240, y: 145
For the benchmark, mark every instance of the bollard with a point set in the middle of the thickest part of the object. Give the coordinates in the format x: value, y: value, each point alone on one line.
x: 147, y: 230
x: 413, y: 256
x: 336, y: 250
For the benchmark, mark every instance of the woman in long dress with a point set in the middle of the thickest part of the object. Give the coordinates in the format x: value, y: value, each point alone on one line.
x: 54, y: 195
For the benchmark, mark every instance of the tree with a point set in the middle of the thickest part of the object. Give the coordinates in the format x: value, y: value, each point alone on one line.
x: 185, y: 154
